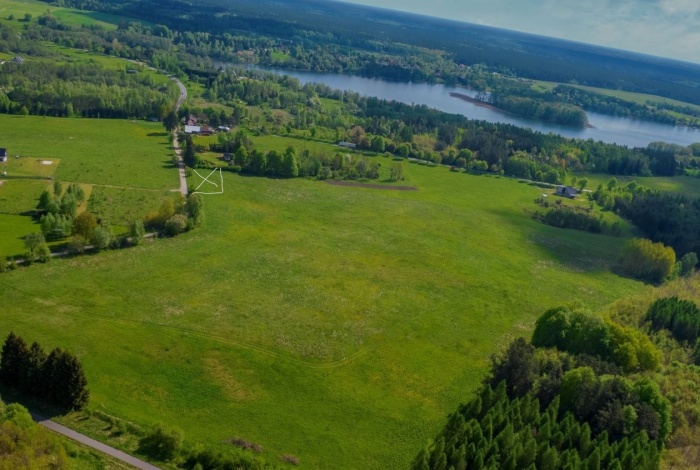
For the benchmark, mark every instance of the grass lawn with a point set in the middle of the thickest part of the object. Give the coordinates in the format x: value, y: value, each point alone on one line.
x: 20, y: 196
x: 95, y: 151
x: 337, y: 324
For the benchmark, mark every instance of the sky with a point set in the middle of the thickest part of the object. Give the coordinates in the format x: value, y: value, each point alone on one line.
x: 666, y: 28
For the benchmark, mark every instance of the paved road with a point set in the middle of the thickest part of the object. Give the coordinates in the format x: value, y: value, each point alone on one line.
x: 83, y: 439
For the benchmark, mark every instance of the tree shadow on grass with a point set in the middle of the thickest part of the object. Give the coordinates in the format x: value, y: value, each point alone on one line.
x: 157, y: 134
x: 36, y: 407
x: 576, y: 250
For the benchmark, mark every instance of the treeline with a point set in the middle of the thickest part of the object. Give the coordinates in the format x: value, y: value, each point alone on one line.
x: 577, y: 218
x: 290, y: 164
x: 57, y: 377
x: 671, y: 219
x: 90, y: 90
x: 561, y: 401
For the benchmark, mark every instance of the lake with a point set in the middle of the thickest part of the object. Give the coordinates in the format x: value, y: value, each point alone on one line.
x: 610, y: 129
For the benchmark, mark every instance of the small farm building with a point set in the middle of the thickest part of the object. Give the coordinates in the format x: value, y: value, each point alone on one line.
x: 567, y: 191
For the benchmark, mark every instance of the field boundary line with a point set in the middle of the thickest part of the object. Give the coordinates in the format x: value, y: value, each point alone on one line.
x: 240, y: 344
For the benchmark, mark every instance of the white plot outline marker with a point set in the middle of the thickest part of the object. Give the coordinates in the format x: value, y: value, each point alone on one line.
x: 206, y: 180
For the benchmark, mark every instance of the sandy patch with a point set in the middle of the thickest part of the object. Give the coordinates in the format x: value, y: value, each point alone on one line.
x: 46, y: 162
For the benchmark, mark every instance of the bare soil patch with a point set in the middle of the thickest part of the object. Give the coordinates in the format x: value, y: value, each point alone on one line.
x: 370, y: 186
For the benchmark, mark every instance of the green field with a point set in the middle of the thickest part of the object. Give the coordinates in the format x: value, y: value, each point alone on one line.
x: 121, y: 206
x: 686, y: 185
x: 95, y: 151
x: 68, y: 15
x: 337, y: 324
x: 20, y: 196
x: 12, y: 230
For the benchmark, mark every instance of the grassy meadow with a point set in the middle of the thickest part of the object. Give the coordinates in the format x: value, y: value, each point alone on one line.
x: 337, y: 324
x: 95, y: 151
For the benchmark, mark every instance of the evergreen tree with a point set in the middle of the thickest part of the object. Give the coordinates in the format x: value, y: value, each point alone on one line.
x: 70, y: 384
x: 30, y: 380
x: 14, y: 356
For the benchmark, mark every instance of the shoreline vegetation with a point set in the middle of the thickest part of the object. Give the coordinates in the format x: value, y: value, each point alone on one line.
x: 486, y: 104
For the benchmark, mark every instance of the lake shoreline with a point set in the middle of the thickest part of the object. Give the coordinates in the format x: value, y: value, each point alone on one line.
x: 609, y: 129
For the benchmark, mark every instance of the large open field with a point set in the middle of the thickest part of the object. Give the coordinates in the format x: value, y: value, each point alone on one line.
x: 338, y: 324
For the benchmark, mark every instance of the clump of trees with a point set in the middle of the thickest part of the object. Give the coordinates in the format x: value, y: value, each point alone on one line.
x: 577, y: 218
x: 647, y: 260
x: 57, y: 377
x: 569, y: 407
x: 59, y: 208
x: 578, y: 331
x: 680, y: 317
x: 174, y: 216
x: 24, y: 444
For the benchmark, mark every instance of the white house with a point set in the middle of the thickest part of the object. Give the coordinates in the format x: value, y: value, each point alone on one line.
x: 193, y: 130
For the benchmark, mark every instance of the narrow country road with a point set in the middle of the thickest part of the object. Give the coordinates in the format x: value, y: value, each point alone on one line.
x: 176, y: 144
x: 92, y: 443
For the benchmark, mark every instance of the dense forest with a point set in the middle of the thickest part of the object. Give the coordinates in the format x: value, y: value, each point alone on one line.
x: 333, y: 36
x: 572, y: 397
x: 88, y: 90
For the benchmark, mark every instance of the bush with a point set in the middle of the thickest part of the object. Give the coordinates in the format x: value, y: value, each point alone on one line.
x: 43, y: 253
x: 176, y: 225
x: 643, y: 259
x: 101, y: 237
x: 161, y: 443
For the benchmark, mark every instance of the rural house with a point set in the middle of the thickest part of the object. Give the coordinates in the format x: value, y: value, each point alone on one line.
x: 566, y: 191
x: 349, y: 145
x: 193, y: 130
